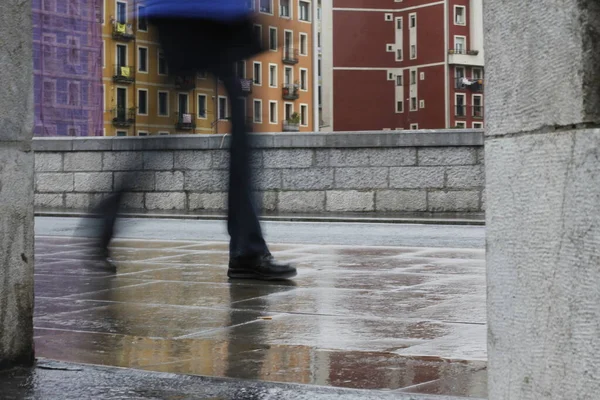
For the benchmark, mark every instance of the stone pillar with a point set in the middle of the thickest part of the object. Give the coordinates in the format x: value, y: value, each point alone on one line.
x: 16, y: 184
x: 543, y: 198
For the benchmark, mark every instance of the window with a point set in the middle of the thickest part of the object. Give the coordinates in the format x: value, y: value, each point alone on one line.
x: 304, y: 44
x: 289, y: 110
x: 250, y: 4
x: 477, y: 125
x: 273, y: 39
x: 49, y: 5
x: 421, y: 103
x: 143, y: 59
x: 121, y: 102
x: 477, y: 73
x: 73, y: 131
x: 414, y: 126
x: 413, y: 51
x: 222, y: 107
x: 202, y: 106
x: 288, y: 76
x: 398, y: 54
x: 319, y: 66
x: 303, y: 79
x: 240, y: 69
x: 399, y: 106
x: 73, y: 55
x: 121, y: 12
x: 183, y: 101
x: 461, y: 124
x: 73, y: 95
x: 303, y: 114
x: 49, y: 94
x: 399, y: 80
x: 459, y: 15
x: 121, y: 55
x: 389, y: 17
x: 413, y: 20
x: 258, y: 111
x: 162, y: 64
x: 142, y: 19
x: 163, y: 104
x: 142, y: 133
x: 460, y: 44
x: 163, y: 133
x: 285, y: 10
x: 273, y: 75
x: 272, y: 112
x: 413, y: 104
x: 477, y: 106
x: 460, y: 106
x: 99, y: 11
x: 121, y: 133
x: 258, y: 34
x: 266, y: 6
x: 422, y: 76
x: 142, y: 102
x: 204, y: 74
x: 257, y: 77
x: 304, y: 11
x: 319, y: 39
x: 460, y: 74
x: 413, y: 77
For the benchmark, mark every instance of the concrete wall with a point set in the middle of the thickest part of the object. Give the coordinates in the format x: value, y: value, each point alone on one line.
x: 16, y: 184
x: 543, y: 186
x: 306, y: 173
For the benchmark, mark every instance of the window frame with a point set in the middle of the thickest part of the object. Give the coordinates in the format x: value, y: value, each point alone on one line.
x: 309, y: 4
x: 275, y: 47
x: 166, y: 115
x: 147, y: 105
x: 464, y: 8
x: 276, y: 75
x: 254, y: 75
x: 273, y: 116
x: 305, y: 36
x: 254, y: 119
x: 219, y: 108
x: 139, y: 58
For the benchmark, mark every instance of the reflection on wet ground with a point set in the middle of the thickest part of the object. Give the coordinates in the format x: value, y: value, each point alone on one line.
x: 403, y: 319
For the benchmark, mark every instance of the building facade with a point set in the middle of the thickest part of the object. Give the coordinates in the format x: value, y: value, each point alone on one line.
x: 141, y: 98
x: 401, y: 64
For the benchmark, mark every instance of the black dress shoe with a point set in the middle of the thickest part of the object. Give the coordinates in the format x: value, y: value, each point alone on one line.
x: 259, y: 267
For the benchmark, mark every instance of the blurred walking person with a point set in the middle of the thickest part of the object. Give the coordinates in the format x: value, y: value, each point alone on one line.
x: 211, y: 35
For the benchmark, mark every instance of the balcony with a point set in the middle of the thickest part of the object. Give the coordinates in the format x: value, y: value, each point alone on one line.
x: 291, y: 126
x: 185, y: 83
x: 124, y: 117
x: 290, y: 92
x: 290, y: 56
x: 124, y: 74
x: 473, y: 84
x: 246, y: 85
x: 462, y: 111
x: 185, y: 122
x: 123, y: 32
x: 462, y: 56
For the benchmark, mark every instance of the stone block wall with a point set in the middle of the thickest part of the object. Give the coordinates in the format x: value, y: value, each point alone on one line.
x: 434, y: 171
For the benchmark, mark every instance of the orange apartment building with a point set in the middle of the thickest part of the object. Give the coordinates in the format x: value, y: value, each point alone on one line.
x: 140, y: 98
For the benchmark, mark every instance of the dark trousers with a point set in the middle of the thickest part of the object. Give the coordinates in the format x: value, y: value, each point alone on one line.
x: 191, y: 46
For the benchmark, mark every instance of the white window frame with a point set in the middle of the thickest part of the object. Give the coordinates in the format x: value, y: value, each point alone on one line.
x: 309, y: 20
x: 304, y: 106
x: 285, y: 106
x: 274, y: 28
x: 254, y: 64
x: 303, y: 53
x: 464, y: 23
x: 205, y: 106
x: 219, y: 108
x: 158, y: 104
x: 413, y: 73
x: 421, y: 104
x: 103, y: 53
x: 126, y: 10
x: 126, y: 52
x: 305, y: 70
x: 264, y: 12
x: 399, y: 54
x: 464, y: 43
x: 275, y: 75
x: 158, y: 54
x: 480, y: 73
x: 422, y: 76
x: 146, y: 133
x: 147, y: 60
x: 187, y: 102
x: 254, y: 102
x: 286, y: 68
x: 147, y: 102
x: 137, y: 22
x: 477, y: 125
x: 416, y: 104
x: 400, y: 79
x: 243, y: 62
x: 401, y: 102
x: 456, y: 96
x: 163, y: 133
x: 414, y: 127
x: 473, y: 97
x: 410, y: 19
x: 291, y: 9
x: 413, y: 54
x: 121, y: 131
x: 126, y: 97
x: 273, y: 116
x: 460, y: 124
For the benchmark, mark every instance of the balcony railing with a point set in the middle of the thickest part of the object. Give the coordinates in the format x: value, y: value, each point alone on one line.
x: 290, y: 92
x: 123, y: 32
x: 124, y: 74
x: 474, y: 111
x: 185, y: 121
x: 186, y: 83
x: 290, y: 55
x: 289, y: 126
x: 246, y: 85
x: 124, y: 117
x: 463, y: 51
x: 474, y: 84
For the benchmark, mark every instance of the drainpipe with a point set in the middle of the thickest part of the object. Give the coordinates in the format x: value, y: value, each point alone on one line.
x: 315, y: 66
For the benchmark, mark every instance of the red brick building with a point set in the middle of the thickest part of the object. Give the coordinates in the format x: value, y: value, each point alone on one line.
x: 401, y: 64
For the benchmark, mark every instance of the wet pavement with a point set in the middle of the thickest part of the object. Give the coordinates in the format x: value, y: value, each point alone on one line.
x: 400, y: 319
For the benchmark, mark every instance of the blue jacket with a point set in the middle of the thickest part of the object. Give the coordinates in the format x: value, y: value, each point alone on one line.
x: 222, y: 10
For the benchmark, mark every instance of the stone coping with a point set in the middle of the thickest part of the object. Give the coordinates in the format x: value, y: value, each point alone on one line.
x: 371, y: 139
